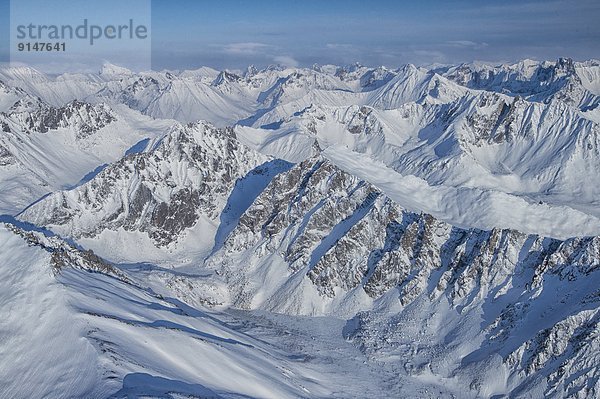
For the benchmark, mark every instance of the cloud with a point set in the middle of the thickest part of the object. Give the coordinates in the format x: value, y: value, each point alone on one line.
x: 467, y: 44
x: 248, y: 48
x: 286, y: 60
x: 449, y: 32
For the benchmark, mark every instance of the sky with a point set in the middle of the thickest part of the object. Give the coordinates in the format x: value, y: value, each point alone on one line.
x: 233, y: 34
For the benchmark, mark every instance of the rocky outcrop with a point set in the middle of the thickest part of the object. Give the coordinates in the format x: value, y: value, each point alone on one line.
x: 537, y: 81
x: 162, y: 192
x: 65, y: 255
x: 343, y: 236
x: 497, y: 312
x: 6, y: 158
x: 84, y: 118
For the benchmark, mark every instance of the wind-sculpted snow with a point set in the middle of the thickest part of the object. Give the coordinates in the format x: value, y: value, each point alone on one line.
x: 342, y: 232
x: 444, y: 220
x: 87, y: 330
x: 484, y: 141
x: 330, y: 243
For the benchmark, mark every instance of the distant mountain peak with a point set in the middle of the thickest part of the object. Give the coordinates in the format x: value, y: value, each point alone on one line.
x: 111, y: 71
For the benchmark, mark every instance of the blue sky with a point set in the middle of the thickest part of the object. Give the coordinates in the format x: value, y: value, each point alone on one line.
x: 236, y: 33
x: 233, y: 33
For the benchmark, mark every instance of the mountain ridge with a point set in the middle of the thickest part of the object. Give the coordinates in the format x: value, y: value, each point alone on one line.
x: 440, y: 225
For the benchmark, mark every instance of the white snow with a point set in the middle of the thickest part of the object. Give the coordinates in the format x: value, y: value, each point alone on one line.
x: 89, y: 335
x: 474, y: 145
x: 467, y: 207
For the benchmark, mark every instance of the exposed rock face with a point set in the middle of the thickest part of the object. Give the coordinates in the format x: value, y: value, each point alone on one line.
x: 343, y: 236
x: 5, y: 127
x: 363, y: 121
x: 345, y: 233
x: 498, y: 312
x: 6, y: 158
x: 498, y: 126
x: 66, y: 255
x: 571, y: 344
x: 161, y: 192
x: 84, y: 118
x: 226, y: 77
x: 540, y: 81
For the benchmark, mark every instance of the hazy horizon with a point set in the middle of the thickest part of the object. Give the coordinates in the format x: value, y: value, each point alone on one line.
x: 233, y: 34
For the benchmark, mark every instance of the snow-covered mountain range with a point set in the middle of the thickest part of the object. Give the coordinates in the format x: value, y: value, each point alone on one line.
x: 302, y: 232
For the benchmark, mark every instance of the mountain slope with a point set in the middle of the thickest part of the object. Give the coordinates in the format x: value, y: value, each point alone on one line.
x: 354, y: 231
x: 182, y: 183
x: 110, y: 337
x: 48, y: 148
x: 332, y: 244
